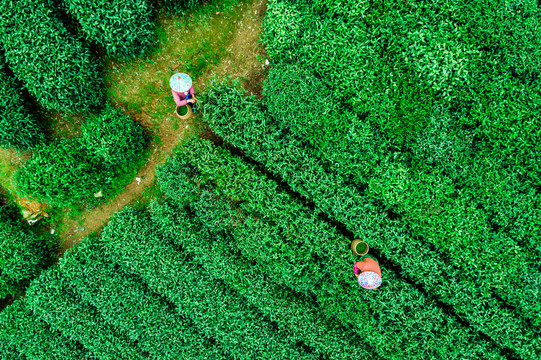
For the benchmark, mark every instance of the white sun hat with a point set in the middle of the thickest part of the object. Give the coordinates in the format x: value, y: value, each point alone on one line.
x: 180, y: 82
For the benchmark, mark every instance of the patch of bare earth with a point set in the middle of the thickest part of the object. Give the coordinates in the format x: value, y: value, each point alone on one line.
x: 246, y: 60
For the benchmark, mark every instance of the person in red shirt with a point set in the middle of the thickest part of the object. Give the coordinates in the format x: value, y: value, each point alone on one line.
x: 368, y: 273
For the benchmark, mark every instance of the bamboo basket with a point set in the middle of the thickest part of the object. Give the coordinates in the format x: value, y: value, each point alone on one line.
x: 188, y: 114
x: 354, y: 244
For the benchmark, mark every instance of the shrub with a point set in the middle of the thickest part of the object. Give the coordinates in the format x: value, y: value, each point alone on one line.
x: 242, y: 122
x: 298, y: 314
x: 177, y: 7
x: 113, y: 137
x: 123, y: 27
x: 18, y: 128
x: 55, y: 302
x: 32, y: 338
x: 23, y: 254
x: 304, y: 253
x: 55, y: 67
x: 62, y: 174
x: 217, y: 311
x: 124, y: 301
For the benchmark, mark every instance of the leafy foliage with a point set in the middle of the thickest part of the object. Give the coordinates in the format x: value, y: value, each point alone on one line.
x: 125, y: 302
x: 123, y: 27
x: 18, y: 128
x: 62, y: 174
x: 29, y: 337
x: 71, y: 171
x: 300, y: 251
x: 55, y: 302
x: 217, y: 311
x: 113, y: 137
x: 291, y: 311
x: 435, y: 124
x: 55, y: 67
x: 23, y: 253
x: 412, y: 129
x: 243, y: 122
x: 177, y: 7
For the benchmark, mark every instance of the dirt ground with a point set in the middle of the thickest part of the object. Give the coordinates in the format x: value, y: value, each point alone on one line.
x: 243, y: 62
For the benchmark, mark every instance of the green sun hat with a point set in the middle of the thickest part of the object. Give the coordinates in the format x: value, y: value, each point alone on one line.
x: 180, y: 82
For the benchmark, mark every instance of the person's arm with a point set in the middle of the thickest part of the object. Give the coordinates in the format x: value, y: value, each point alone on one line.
x: 176, y: 97
x: 192, y: 94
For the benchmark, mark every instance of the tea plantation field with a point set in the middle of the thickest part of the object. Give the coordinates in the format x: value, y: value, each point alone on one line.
x: 414, y: 126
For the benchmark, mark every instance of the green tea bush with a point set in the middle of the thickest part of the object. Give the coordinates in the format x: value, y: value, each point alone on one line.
x: 123, y: 27
x: 55, y: 67
x: 177, y: 7
x: 294, y: 313
x: 23, y: 253
x: 217, y: 311
x: 113, y: 137
x: 242, y: 122
x: 29, y: 337
x: 445, y: 127
x: 62, y: 174
x: 305, y: 254
x: 18, y: 128
x: 124, y: 302
x: 51, y: 298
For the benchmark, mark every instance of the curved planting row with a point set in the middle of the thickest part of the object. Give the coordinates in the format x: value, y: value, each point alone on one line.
x: 18, y: 128
x: 123, y: 301
x: 304, y: 253
x: 243, y: 122
x: 27, y: 336
x: 438, y: 122
x: 55, y: 67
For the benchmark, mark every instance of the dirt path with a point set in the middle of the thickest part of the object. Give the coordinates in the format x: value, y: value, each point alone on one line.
x: 241, y: 63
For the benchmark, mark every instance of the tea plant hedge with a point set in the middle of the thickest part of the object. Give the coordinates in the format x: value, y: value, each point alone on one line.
x: 177, y: 7
x: 27, y: 336
x: 244, y: 123
x: 54, y: 66
x: 304, y: 253
x: 62, y: 174
x: 23, y: 253
x: 113, y: 137
x: 455, y: 159
x: 69, y: 172
x: 125, y: 302
x: 123, y: 27
x: 18, y: 127
x: 291, y: 311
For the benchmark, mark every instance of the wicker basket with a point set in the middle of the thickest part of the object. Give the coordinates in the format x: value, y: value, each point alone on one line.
x: 354, y: 244
x: 188, y: 114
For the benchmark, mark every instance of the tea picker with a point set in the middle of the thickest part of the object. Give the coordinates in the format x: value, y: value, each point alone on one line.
x: 183, y: 94
x: 367, y: 270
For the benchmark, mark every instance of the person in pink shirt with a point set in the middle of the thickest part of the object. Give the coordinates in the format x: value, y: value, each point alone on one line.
x: 182, y: 89
x: 368, y: 273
